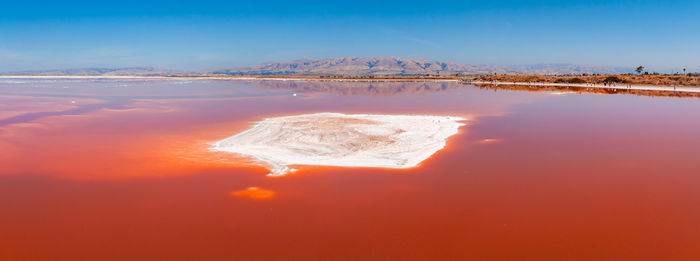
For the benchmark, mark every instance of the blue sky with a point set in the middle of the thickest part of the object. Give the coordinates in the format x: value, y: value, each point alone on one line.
x: 661, y: 35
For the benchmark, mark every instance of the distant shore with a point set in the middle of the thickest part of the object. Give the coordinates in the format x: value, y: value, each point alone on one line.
x: 606, y: 80
x: 613, y: 86
x: 677, y: 83
x: 251, y: 77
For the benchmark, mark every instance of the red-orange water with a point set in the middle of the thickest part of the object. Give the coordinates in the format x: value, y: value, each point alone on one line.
x: 124, y: 174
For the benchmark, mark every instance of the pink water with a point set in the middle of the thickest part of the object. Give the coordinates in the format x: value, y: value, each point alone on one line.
x: 120, y: 170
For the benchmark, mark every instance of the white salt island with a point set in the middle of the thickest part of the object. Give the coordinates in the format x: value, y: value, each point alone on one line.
x: 348, y: 140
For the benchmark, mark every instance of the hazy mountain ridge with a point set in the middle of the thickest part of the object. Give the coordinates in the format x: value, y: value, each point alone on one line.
x: 405, y: 66
x: 102, y: 71
x: 349, y: 66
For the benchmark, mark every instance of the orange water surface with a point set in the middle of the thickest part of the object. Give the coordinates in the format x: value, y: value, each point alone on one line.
x: 106, y: 169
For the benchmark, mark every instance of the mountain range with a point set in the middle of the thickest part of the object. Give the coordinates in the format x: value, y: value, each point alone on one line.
x: 351, y: 66
x: 103, y: 71
x: 405, y: 66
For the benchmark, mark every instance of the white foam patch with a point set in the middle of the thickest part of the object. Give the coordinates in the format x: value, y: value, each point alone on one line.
x: 348, y: 140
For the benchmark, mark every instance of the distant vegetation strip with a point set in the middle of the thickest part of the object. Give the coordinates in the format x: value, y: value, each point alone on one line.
x: 659, y: 80
x: 579, y: 90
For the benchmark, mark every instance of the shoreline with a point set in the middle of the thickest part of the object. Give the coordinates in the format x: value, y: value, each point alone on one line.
x: 596, y: 86
x: 618, y: 86
x: 251, y: 78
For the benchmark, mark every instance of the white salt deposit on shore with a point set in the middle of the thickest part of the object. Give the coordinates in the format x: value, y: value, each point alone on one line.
x: 349, y: 140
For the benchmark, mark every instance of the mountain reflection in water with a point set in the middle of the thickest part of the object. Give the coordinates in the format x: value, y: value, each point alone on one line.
x: 369, y: 88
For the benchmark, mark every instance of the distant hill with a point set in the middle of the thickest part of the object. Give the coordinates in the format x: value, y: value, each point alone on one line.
x: 102, y: 71
x: 404, y: 66
x: 349, y: 66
